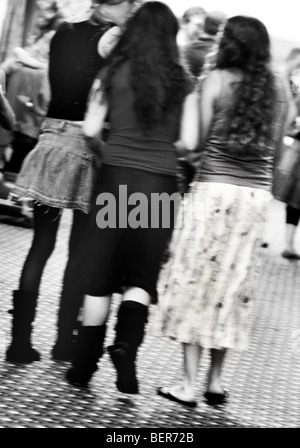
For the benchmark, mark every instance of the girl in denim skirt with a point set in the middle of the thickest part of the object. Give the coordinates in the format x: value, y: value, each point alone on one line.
x: 59, y: 173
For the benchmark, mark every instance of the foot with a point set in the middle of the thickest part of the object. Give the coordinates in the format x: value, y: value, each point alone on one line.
x: 125, y: 367
x: 290, y: 254
x: 215, y: 393
x: 215, y: 398
x: 22, y: 354
x: 177, y: 394
x: 77, y: 377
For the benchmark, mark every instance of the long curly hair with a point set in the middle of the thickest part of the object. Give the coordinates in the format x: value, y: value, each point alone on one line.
x: 156, y: 77
x: 245, y: 46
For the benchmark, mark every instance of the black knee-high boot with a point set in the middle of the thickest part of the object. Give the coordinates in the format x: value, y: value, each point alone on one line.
x: 89, y: 349
x: 67, y: 324
x: 20, y: 350
x: 130, y: 328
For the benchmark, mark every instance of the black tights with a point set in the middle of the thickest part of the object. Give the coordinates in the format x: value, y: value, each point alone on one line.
x: 46, y: 223
x: 292, y: 215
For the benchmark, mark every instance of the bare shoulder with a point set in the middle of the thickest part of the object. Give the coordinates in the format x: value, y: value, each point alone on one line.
x: 213, y: 81
x: 214, y: 75
x: 230, y: 76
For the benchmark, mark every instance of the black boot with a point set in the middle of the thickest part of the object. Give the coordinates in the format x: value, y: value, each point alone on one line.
x: 20, y: 350
x: 89, y: 349
x: 132, y: 317
x: 67, y: 327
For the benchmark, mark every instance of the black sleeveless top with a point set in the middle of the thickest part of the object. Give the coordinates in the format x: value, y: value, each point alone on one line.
x: 126, y: 144
x: 74, y: 62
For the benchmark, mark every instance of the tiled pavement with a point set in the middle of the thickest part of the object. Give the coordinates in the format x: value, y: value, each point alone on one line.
x: 264, y: 383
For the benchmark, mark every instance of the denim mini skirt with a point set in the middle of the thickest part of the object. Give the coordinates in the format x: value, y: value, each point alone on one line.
x: 60, y: 171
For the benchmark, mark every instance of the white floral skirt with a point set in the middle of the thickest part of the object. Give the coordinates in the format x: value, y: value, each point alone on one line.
x: 205, y: 289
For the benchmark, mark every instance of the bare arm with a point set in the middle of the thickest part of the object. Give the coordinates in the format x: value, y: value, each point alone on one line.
x: 189, y: 125
x: 7, y: 115
x: 94, y: 121
x: 96, y: 112
x: 210, y: 91
x: 24, y: 58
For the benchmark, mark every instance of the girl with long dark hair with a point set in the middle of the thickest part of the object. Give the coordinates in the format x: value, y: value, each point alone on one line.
x: 149, y: 98
x: 206, y: 287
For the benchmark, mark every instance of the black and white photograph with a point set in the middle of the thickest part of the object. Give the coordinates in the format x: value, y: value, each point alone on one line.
x: 149, y: 217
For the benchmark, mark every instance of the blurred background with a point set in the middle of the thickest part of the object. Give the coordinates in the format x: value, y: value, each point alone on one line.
x: 264, y: 384
x: 280, y: 18
x: 18, y: 18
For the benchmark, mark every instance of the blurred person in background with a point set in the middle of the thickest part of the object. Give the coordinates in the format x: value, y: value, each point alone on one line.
x: 36, y: 55
x: 292, y: 73
x: 205, y: 291
x: 190, y: 32
x: 59, y: 173
x: 28, y: 85
x: 191, y: 25
x: 196, y: 57
x: 7, y: 121
x: 7, y: 116
x: 196, y: 51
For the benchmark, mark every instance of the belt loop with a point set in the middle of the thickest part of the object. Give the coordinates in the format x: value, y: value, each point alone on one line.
x: 43, y: 125
x: 62, y: 125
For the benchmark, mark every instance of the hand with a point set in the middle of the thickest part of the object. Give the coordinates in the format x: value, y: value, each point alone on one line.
x: 194, y: 158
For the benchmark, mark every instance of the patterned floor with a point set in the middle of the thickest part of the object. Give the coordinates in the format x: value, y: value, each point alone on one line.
x: 264, y: 383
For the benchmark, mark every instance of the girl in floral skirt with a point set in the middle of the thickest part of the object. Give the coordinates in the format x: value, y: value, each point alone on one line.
x: 205, y: 288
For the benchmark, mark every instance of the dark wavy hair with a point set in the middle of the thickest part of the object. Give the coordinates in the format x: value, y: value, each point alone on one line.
x: 245, y: 46
x: 157, y: 78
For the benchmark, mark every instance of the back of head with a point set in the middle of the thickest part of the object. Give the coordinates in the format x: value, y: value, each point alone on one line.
x: 113, y: 11
x: 152, y: 28
x: 213, y: 21
x: 245, y: 46
x: 155, y: 76
x: 245, y: 42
